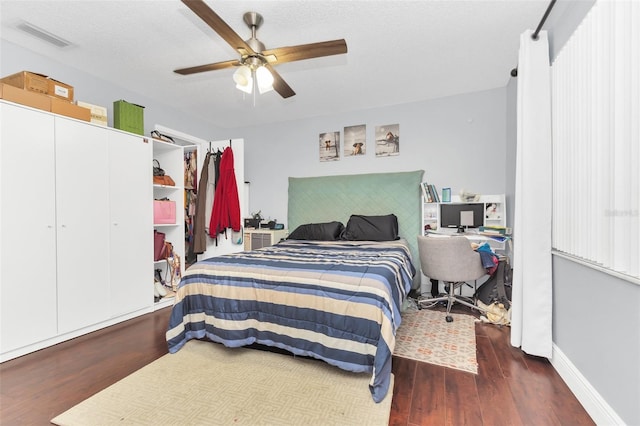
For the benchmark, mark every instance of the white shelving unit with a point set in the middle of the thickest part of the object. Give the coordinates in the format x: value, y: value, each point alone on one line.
x: 430, y: 216
x: 170, y: 156
x: 494, y: 207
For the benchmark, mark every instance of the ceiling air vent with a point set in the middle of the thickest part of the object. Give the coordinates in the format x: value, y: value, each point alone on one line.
x: 43, y: 34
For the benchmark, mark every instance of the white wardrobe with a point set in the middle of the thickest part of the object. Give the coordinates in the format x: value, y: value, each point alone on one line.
x: 75, y: 231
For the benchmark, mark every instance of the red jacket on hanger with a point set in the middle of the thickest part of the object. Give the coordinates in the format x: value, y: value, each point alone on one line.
x: 226, y: 204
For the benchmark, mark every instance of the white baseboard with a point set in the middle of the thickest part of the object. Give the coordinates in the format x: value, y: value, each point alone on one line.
x: 601, y: 412
x: 6, y: 356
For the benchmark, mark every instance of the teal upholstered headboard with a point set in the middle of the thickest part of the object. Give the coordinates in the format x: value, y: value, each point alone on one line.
x: 326, y: 198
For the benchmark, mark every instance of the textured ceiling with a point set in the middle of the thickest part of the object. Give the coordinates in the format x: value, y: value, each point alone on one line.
x: 398, y: 51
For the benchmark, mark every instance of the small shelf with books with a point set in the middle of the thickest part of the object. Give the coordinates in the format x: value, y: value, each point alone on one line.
x: 430, y: 209
x: 429, y: 193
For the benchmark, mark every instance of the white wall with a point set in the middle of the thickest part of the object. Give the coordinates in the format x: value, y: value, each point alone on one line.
x: 596, y: 325
x: 459, y: 141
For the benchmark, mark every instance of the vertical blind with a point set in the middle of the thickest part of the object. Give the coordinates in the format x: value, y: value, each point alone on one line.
x: 596, y: 139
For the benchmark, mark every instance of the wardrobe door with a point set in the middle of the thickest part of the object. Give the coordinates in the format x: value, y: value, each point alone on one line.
x: 131, y: 210
x: 27, y: 227
x: 82, y: 205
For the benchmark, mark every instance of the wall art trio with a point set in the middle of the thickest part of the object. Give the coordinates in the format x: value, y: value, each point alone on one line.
x: 387, y: 142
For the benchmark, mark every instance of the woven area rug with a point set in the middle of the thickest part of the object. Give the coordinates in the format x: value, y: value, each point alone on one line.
x: 206, y: 383
x: 424, y: 335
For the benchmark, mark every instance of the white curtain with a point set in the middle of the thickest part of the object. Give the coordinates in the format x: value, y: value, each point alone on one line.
x: 532, y: 290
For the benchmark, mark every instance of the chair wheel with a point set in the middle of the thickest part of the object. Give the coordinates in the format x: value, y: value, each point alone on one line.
x: 449, y: 318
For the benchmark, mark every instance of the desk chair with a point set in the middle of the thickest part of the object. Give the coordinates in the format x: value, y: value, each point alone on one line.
x: 452, y: 260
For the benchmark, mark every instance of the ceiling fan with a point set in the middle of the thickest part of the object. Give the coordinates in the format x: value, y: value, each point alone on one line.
x: 253, y: 55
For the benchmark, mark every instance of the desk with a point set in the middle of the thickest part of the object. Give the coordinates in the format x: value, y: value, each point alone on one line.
x: 497, y: 243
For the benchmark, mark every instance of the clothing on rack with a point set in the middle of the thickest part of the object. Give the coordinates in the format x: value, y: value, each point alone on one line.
x: 226, y: 203
x: 190, y: 202
x: 216, y: 163
x: 214, y: 175
x: 199, y: 231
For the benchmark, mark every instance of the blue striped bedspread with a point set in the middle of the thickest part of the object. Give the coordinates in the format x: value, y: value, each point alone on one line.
x: 338, y: 301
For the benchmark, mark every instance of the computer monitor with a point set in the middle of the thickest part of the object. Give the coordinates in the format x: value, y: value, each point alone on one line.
x: 461, y: 215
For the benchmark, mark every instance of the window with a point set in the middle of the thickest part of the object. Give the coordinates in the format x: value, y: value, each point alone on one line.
x: 596, y: 140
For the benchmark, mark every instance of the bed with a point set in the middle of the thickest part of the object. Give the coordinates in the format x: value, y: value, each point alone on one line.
x: 331, y: 299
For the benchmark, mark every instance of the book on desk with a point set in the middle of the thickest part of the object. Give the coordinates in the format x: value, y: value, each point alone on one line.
x: 494, y: 230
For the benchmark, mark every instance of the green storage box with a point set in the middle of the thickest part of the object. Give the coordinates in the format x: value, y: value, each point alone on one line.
x: 128, y: 117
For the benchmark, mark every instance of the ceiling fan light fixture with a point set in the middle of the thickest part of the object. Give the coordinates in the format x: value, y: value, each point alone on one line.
x: 264, y: 79
x: 247, y: 88
x: 242, y: 76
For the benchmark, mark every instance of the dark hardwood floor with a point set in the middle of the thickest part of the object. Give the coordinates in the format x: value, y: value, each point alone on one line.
x: 510, y: 389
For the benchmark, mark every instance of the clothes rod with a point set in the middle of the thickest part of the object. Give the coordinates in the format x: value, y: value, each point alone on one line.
x: 544, y: 18
x: 534, y: 36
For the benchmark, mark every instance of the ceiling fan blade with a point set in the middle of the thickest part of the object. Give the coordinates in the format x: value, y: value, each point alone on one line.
x: 208, y: 67
x: 279, y: 85
x: 307, y: 51
x: 212, y: 19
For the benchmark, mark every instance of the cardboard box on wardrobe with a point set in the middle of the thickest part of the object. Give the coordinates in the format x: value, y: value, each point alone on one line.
x: 68, y: 109
x: 40, y: 83
x: 25, y: 97
x: 29, y: 81
x: 43, y: 102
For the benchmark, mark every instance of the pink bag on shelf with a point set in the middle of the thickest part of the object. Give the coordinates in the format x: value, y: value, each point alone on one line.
x: 164, y: 212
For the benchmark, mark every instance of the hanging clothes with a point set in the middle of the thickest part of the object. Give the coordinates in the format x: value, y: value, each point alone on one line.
x: 214, y: 168
x: 190, y: 189
x: 226, y: 203
x: 216, y: 164
x: 190, y: 201
x: 199, y: 232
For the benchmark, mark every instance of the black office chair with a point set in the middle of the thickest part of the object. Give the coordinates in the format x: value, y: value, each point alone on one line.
x: 452, y: 260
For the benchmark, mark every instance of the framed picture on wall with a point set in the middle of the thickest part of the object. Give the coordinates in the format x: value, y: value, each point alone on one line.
x: 387, y: 140
x: 329, y: 146
x: 355, y: 140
